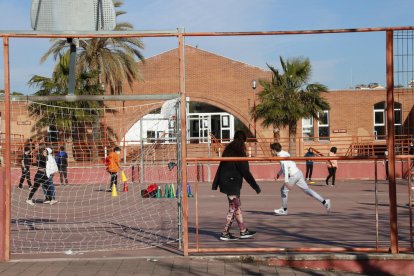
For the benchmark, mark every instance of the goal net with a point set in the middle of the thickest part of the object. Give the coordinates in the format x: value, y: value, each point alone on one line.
x: 90, y: 215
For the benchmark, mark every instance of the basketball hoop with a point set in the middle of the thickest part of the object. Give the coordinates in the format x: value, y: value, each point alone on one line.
x: 73, y: 15
x: 76, y: 16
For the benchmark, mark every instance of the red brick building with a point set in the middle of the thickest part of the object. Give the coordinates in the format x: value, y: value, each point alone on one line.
x: 356, y: 117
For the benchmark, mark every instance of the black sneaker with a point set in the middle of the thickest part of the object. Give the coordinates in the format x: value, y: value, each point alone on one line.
x: 228, y: 237
x: 247, y: 234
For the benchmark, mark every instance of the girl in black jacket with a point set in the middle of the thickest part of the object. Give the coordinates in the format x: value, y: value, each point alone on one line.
x: 229, y: 179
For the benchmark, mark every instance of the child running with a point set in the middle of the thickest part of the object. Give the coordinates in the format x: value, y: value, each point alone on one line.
x: 293, y: 176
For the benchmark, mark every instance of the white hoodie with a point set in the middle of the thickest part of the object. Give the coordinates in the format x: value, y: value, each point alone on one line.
x: 51, y: 166
x: 287, y: 167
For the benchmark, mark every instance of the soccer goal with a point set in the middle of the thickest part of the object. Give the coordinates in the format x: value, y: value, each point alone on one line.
x: 89, y: 214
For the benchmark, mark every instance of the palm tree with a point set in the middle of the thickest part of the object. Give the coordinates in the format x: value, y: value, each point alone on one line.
x: 289, y: 97
x: 74, y: 118
x: 114, y: 58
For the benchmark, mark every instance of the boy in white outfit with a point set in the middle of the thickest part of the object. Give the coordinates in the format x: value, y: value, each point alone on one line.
x: 49, y: 187
x: 293, y: 176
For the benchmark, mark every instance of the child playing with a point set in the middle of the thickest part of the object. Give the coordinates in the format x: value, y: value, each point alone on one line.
x: 293, y: 176
x: 113, y: 167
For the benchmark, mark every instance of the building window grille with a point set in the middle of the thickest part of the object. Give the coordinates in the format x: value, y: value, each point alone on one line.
x: 323, y: 125
x: 380, y: 129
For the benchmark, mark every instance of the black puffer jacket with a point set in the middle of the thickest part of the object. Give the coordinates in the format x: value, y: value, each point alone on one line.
x: 229, y: 177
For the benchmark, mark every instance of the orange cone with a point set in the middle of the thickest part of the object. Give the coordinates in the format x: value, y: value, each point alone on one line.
x: 125, y: 187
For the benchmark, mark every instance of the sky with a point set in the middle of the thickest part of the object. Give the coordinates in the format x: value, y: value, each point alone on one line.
x: 339, y: 61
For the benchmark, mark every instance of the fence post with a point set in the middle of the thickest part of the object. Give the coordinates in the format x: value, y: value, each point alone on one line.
x: 391, y: 141
x: 5, y: 171
x: 183, y: 117
x: 3, y: 250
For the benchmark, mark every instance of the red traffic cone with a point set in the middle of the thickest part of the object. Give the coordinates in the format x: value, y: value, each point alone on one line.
x: 125, y: 187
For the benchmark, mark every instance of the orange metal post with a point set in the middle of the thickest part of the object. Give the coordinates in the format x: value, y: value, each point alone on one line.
x: 392, y: 193
x: 5, y: 185
x: 183, y: 141
x: 196, y: 212
x: 295, y: 249
x: 410, y: 203
x: 376, y: 206
x: 2, y: 215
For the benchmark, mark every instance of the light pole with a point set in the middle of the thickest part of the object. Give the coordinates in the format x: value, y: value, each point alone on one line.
x: 254, y: 86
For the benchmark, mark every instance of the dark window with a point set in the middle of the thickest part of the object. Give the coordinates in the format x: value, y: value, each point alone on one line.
x: 324, y: 125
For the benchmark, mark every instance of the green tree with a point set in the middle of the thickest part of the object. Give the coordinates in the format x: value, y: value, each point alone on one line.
x: 12, y: 93
x: 113, y: 58
x: 289, y: 97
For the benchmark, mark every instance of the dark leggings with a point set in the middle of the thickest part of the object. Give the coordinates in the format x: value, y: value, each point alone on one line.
x: 114, y: 179
x: 309, y: 170
x: 63, y: 173
x: 332, y: 172
x: 40, y: 179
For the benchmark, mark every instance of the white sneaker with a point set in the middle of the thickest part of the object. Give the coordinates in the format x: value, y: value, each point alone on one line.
x: 46, y: 201
x: 53, y: 202
x: 30, y: 202
x: 328, y: 205
x: 281, y: 212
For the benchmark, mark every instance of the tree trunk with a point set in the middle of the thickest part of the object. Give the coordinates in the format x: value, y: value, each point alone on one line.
x: 276, y: 133
x: 292, y: 138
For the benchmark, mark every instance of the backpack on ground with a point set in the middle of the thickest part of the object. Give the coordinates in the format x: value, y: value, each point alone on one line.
x: 150, y: 191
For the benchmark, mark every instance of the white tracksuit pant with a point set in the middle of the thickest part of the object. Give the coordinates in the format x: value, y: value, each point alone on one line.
x: 298, y: 180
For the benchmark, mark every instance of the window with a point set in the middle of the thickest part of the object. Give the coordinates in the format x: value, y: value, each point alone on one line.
x: 307, y: 129
x: 397, y: 119
x: 380, y: 122
x: 171, y: 124
x: 225, y: 121
x: 151, y: 136
x: 323, y: 125
x: 171, y: 131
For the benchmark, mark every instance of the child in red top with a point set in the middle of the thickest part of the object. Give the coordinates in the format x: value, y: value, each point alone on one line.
x: 113, y: 167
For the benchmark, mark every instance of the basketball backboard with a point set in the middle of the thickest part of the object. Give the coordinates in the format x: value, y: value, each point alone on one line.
x: 73, y: 15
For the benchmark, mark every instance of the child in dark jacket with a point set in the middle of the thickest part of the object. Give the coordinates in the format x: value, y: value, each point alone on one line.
x: 62, y: 163
x: 26, y: 160
x: 229, y: 179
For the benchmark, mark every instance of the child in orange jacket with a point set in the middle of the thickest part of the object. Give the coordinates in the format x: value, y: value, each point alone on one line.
x: 113, y: 167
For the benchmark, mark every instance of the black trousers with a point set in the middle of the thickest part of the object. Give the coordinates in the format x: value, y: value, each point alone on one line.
x: 40, y: 179
x: 309, y: 170
x: 114, y: 179
x: 63, y: 174
x: 332, y: 173
x: 25, y: 175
